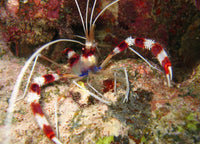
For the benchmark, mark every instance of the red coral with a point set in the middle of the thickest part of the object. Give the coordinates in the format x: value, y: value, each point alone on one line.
x: 37, y: 2
x: 108, y: 85
x: 53, y: 9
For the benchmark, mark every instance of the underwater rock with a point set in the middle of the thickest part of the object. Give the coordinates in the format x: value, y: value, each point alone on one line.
x: 154, y: 113
x: 12, y: 6
x: 190, y: 45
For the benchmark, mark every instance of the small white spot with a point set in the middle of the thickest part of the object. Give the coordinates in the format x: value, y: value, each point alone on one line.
x: 130, y: 41
x: 116, y: 50
x: 148, y: 43
x: 70, y: 54
x: 32, y: 96
x: 168, y: 79
x: 170, y: 72
x: 55, y: 139
x: 56, y: 76
x: 25, y: 1
x: 161, y: 56
x: 92, y: 60
x: 88, y: 44
x: 41, y: 120
x: 39, y: 80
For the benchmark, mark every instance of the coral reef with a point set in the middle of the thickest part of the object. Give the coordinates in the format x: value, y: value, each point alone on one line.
x: 29, y: 24
x: 154, y: 112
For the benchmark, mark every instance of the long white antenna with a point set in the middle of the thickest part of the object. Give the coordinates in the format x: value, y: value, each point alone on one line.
x: 86, y: 15
x: 78, y: 36
x: 80, y: 15
x: 92, y: 12
x: 12, y: 100
x: 104, y: 10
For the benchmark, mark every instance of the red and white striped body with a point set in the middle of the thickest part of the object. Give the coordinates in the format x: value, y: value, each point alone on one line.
x: 33, y: 99
x: 151, y: 45
x: 82, y: 64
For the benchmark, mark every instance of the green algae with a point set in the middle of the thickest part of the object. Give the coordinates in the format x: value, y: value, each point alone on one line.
x: 105, y: 140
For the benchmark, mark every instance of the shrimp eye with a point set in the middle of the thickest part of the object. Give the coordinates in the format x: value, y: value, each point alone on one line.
x: 83, y: 49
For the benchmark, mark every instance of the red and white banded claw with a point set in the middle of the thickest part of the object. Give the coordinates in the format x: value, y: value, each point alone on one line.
x: 158, y: 52
x: 154, y: 47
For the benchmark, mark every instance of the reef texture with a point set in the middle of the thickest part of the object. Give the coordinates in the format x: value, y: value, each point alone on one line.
x: 154, y: 112
x: 28, y: 24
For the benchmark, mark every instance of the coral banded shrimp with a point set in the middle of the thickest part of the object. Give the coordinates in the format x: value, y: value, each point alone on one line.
x: 81, y: 66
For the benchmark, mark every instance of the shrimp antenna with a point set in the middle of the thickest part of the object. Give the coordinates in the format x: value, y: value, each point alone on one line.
x: 12, y: 100
x: 86, y: 15
x: 104, y: 10
x: 80, y: 15
x: 92, y: 12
